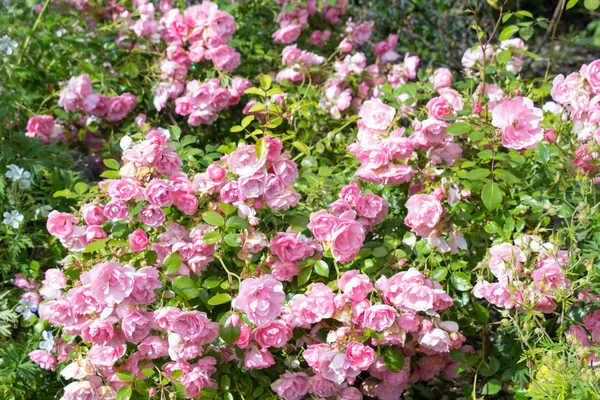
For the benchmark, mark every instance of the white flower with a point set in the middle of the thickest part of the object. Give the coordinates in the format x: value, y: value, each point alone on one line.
x: 19, y: 176
x: 7, y: 45
x: 27, y: 307
x: 42, y: 211
x: 125, y: 142
x: 48, y: 342
x: 13, y: 218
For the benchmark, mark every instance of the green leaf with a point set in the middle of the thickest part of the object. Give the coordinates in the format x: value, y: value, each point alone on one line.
x: 302, y: 147
x: 571, y: 4
x: 481, y: 314
x: 125, y: 376
x: 211, y: 237
x: 394, y: 359
x: 304, y: 276
x: 233, y: 240
x: 247, y: 120
x: 220, y: 298
x: 503, y: 56
x: 111, y: 163
x: 81, y: 187
x: 180, y: 393
x: 478, y: 174
x: 265, y: 81
x: 491, y: 195
x: 230, y: 333
x: 186, y: 287
x: 458, y: 128
x: 189, y: 139
x: 379, y: 252
x: 124, y: 393
x: 506, y: 176
x: 177, y: 374
x: 211, y: 282
x: 175, y: 132
x: 508, y: 32
x: 591, y: 4
x: 526, y: 32
x: 237, y: 222
x: 322, y: 268
x: 461, y: 281
x: 227, y: 208
x: 110, y: 174
x: 65, y: 193
x: 95, y: 246
x: 261, y: 148
x: 543, y: 153
x: 172, y: 263
x: 255, y: 91
x: 439, y: 274
x: 213, y: 218
x: 256, y: 107
x: 493, y: 386
x: 523, y: 14
x: 236, y: 128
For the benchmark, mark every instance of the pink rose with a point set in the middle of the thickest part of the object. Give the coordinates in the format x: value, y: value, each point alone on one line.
x: 347, y: 240
x: 442, y: 78
x: 376, y: 115
x: 355, y: 286
x: 591, y: 73
x: 261, y: 299
x: 186, y: 203
x: 286, y: 170
x: 291, y: 385
x: 60, y: 224
x: 135, y: 326
x: 424, y: 212
x: 520, y: 123
x: 258, y: 359
x: 373, y: 207
x: 110, y: 283
x: 253, y: 186
x: 97, y: 331
x: 564, y: 90
x: 154, y: 347
x: 273, y: 186
x: 379, y: 317
x: 158, y: 193
x: 362, y: 33
x: 119, y: 106
x: 244, y: 161
x: 360, y: 356
x: 505, y: 261
x: 95, y: 104
x: 43, y: 359
x: 115, y: 210
x: 195, y: 325
x: 224, y: 57
x: 288, y: 198
x: 124, y: 189
x: 437, y: 340
x: 288, y: 247
x: 272, y: 334
x: 167, y: 162
x: 438, y: 108
x: 350, y: 193
x: 93, y: 214
x: 138, y: 240
x: 287, y: 34
x: 322, y: 224
x: 144, y: 284
x: 151, y: 216
x: 41, y: 124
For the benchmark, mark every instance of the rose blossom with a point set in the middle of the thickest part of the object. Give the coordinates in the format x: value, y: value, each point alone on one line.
x: 272, y: 334
x: 261, y: 299
x: 60, y: 224
x: 360, y: 356
x: 520, y: 123
x: 376, y: 115
x: 110, y: 283
x: 347, y: 240
x: 138, y: 240
x: 291, y: 385
x: 424, y: 212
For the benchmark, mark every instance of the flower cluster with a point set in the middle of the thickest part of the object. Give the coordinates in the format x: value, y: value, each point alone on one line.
x: 579, y: 335
x: 343, y: 228
x: 203, y: 101
x: 298, y: 62
x: 293, y: 21
x: 520, y: 285
x: 405, y: 323
x: 79, y: 95
x: 45, y: 128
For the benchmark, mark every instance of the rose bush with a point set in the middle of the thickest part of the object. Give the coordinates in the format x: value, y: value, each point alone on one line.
x: 293, y: 206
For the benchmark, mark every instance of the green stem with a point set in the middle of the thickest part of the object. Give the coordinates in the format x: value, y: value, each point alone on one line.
x: 35, y: 25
